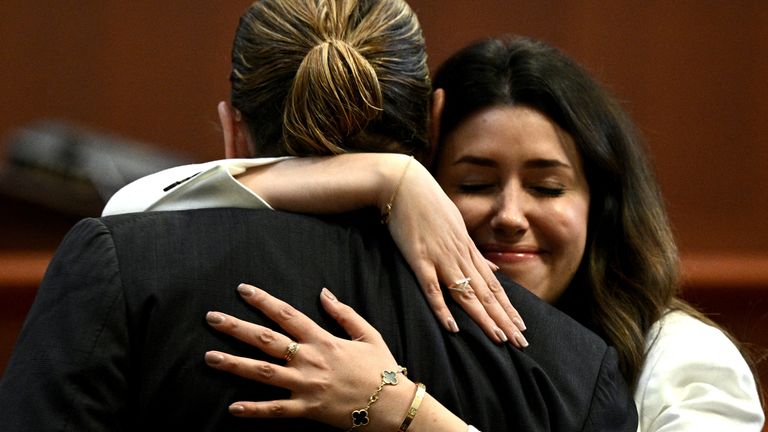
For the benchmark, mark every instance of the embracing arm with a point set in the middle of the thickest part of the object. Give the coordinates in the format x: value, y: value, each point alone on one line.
x: 329, y: 377
x: 424, y: 222
x: 322, y: 185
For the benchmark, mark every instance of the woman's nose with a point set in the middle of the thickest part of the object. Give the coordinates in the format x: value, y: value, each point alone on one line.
x: 509, y: 215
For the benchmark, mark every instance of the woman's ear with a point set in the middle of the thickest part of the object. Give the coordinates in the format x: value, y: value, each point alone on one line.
x: 235, y: 133
x: 436, y: 111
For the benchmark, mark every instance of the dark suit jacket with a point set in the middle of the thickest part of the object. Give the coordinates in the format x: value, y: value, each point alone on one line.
x: 116, y: 336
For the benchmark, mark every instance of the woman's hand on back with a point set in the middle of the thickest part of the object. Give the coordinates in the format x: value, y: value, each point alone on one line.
x: 329, y: 377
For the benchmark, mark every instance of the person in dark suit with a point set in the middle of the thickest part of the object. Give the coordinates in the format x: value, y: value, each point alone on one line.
x: 116, y: 337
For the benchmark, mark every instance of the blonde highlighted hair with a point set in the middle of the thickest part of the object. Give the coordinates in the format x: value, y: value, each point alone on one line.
x: 318, y: 77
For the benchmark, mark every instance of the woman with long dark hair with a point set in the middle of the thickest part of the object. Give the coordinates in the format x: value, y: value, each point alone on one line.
x: 555, y: 188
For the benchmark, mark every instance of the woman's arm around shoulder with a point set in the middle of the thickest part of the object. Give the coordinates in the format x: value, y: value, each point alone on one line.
x: 424, y: 223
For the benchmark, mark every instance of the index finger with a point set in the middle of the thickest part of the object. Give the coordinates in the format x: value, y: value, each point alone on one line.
x: 290, y: 319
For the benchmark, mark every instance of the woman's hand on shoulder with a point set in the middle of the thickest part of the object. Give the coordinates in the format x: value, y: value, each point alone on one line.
x: 430, y: 232
x: 425, y: 224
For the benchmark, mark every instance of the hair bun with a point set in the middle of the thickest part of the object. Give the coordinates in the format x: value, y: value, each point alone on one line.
x: 334, y: 96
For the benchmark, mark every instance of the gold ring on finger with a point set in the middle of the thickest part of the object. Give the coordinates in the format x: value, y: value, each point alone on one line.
x: 291, y: 351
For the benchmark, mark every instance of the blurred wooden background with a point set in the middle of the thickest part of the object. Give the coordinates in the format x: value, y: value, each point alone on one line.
x: 692, y: 73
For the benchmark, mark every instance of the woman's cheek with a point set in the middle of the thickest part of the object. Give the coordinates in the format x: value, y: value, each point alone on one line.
x: 471, y: 209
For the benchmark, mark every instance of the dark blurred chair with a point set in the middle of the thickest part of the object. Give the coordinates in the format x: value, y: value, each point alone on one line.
x: 53, y: 173
x: 74, y: 169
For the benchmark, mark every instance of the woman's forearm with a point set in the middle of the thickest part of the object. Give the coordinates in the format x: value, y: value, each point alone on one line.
x: 328, y: 184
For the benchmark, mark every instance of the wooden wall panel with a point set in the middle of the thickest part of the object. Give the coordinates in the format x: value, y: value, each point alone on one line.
x: 691, y: 73
x: 149, y: 70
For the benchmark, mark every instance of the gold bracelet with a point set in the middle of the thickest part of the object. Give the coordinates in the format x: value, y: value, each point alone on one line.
x: 388, y: 377
x: 387, y: 210
x: 421, y: 390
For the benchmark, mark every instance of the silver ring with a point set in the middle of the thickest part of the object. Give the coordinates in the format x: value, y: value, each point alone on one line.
x: 461, y: 285
x: 291, y: 351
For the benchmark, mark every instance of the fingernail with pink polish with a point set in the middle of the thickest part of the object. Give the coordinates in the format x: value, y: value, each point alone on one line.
x: 519, y: 323
x: 245, y: 290
x: 521, y: 340
x: 327, y: 293
x: 213, y: 358
x: 452, y: 326
x: 236, y: 409
x: 500, y: 334
x: 214, y: 318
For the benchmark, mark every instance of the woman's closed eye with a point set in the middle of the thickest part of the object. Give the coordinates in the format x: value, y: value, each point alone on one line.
x: 548, y: 191
x: 476, y: 188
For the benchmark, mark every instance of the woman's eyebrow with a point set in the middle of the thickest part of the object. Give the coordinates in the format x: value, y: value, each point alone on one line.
x: 532, y: 164
x: 476, y: 160
x: 545, y: 163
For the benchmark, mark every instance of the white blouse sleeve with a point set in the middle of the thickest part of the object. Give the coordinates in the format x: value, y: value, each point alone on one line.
x: 186, y: 187
x: 695, y: 379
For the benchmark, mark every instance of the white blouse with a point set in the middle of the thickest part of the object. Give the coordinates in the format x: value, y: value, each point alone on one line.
x: 695, y: 379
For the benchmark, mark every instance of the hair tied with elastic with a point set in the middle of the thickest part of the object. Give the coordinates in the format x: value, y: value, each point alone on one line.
x: 334, y: 96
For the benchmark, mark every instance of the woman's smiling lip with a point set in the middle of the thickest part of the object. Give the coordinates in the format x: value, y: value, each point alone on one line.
x: 517, y: 253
